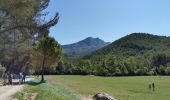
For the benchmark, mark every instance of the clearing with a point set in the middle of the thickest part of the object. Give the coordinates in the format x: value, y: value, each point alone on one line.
x: 122, y: 88
x: 72, y: 87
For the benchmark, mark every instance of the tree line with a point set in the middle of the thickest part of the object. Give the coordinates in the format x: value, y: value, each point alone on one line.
x: 134, y: 54
x: 158, y: 64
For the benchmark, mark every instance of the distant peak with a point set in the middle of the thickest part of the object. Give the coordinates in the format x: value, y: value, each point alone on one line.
x: 85, y: 46
x: 92, y: 38
x: 89, y: 38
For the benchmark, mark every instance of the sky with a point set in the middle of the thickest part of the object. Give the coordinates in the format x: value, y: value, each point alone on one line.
x: 108, y: 20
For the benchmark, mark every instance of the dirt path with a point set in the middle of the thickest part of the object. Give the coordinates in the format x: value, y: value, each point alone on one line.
x: 7, y: 91
x: 86, y: 98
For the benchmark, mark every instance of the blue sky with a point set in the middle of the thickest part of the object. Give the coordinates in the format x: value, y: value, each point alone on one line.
x: 108, y: 19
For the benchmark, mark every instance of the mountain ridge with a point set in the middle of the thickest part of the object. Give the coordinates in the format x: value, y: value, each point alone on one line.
x: 133, y: 41
x: 84, y: 47
x: 134, y: 54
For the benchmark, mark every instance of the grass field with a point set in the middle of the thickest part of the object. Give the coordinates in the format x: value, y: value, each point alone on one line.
x: 45, y: 91
x: 122, y: 88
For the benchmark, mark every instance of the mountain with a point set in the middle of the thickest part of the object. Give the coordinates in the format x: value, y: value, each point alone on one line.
x: 135, y: 44
x: 134, y: 54
x: 84, y: 47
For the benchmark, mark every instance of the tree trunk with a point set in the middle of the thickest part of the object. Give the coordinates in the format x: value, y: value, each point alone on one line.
x: 42, y: 71
x: 42, y: 77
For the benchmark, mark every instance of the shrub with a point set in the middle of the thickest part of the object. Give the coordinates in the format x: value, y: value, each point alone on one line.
x: 2, y: 69
x: 167, y: 71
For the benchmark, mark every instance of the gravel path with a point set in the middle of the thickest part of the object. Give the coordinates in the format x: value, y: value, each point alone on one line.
x: 7, y: 91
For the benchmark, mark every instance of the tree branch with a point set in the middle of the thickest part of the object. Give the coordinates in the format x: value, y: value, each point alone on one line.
x: 37, y: 28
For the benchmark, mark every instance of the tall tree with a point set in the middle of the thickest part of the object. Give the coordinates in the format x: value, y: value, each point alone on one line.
x: 25, y: 15
x: 50, y: 53
x: 22, y: 21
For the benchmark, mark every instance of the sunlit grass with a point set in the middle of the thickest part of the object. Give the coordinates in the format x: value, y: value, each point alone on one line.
x: 122, y: 88
x: 46, y: 91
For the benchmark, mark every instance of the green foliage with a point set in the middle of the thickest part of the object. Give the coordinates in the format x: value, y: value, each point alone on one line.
x: 21, y: 25
x: 134, y: 54
x: 159, y: 59
x: 167, y: 70
x: 118, y: 71
x: 60, y: 69
x: 46, y: 91
x: 49, y: 47
x: 161, y: 69
x: 2, y: 69
x: 124, y: 70
x: 50, y: 52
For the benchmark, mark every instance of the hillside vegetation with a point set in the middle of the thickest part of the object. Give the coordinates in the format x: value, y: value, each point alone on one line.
x: 135, y: 44
x: 134, y: 54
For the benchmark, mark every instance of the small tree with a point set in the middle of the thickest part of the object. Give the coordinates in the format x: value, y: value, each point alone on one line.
x: 124, y: 70
x: 167, y: 71
x: 50, y: 53
x: 118, y: 71
x: 60, y: 69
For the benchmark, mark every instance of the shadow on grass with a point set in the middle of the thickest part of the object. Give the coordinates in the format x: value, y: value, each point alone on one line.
x: 35, y: 82
x: 138, y: 91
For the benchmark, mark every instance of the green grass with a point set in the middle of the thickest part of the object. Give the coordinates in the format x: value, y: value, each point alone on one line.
x: 46, y: 91
x: 122, y: 88
x: 65, y: 87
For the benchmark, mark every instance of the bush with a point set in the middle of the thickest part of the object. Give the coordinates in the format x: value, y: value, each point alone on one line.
x: 118, y: 72
x: 167, y: 71
x: 150, y: 73
x: 161, y: 70
x: 2, y: 69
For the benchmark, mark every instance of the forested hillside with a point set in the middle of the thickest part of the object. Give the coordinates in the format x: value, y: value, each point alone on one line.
x: 135, y: 44
x: 134, y: 54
